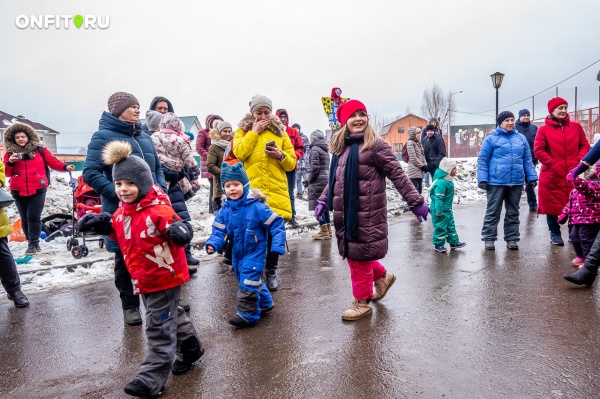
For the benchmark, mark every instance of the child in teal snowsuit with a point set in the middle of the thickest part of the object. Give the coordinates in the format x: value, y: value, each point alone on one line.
x: 441, y: 193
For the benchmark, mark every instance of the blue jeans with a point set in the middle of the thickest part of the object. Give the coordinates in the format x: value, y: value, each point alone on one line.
x: 325, y: 219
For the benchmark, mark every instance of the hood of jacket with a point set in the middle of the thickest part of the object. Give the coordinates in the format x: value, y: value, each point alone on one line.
x: 209, y: 120
x: 158, y: 99
x: 283, y: 111
x: 317, y: 135
x: 334, y: 95
x: 550, y: 121
x: 439, y: 174
x: 112, y: 123
x: 9, y: 139
x: 275, y: 124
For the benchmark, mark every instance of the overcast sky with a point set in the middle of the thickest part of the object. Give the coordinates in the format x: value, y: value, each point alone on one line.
x: 212, y: 57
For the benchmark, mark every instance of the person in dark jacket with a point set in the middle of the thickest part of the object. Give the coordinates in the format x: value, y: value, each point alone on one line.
x: 299, y: 151
x: 121, y: 123
x: 434, y: 149
x: 26, y: 161
x: 302, y: 166
x: 503, y: 166
x: 162, y: 106
x: 357, y: 193
x: 317, y: 180
x: 529, y: 130
x: 203, y: 143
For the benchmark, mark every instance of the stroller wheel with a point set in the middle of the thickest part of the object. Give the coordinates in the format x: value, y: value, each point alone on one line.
x: 84, y: 250
x: 101, y: 242
x: 69, y: 244
x: 77, y: 252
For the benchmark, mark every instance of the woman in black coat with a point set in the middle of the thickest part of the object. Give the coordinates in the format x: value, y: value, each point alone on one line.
x: 434, y: 148
x: 318, y: 178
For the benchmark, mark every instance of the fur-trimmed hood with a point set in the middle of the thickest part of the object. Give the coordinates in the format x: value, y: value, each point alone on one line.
x: 275, y: 124
x: 214, y: 134
x: 12, y: 147
x: 258, y: 194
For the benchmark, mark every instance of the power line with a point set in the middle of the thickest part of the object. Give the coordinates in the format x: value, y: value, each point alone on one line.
x: 536, y: 94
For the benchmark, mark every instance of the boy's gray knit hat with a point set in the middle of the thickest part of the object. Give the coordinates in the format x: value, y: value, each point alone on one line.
x: 153, y: 120
x: 447, y: 165
x: 128, y: 167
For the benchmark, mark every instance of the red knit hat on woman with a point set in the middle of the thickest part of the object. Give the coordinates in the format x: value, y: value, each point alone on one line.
x: 555, y: 103
x: 345, y: 110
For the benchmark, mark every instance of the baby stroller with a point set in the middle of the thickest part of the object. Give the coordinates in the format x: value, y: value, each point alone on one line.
x: 85, y: 200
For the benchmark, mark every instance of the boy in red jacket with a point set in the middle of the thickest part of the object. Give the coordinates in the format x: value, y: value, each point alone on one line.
x: 152, y: 238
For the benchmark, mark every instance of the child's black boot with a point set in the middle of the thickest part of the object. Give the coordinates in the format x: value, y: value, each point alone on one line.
x: 191, y: 351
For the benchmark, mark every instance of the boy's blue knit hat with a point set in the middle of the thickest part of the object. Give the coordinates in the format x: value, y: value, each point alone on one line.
x: 235, y: 172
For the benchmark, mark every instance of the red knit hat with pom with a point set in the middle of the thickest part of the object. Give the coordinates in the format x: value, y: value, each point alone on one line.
x: 345, y: 110
x: 555, y: 103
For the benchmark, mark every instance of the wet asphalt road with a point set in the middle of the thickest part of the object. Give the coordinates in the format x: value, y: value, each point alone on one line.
x: 467, y: 324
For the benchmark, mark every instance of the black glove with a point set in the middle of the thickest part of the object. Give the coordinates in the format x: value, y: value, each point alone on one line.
x: 100, y: 223
x: 180, y: 233
x: 425, y: 169
x: 483, y: 185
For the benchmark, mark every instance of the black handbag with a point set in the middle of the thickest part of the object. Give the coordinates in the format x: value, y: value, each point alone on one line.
x: 6, y: 199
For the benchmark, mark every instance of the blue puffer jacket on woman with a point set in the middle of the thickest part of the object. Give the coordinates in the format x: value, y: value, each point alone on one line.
x: 99, y: 176
x: 505, y: 159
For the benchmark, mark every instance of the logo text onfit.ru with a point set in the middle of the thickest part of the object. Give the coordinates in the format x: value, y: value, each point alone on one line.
x: 62, y: 21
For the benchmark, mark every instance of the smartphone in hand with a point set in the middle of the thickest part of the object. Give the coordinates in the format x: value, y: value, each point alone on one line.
x: 271, y: 143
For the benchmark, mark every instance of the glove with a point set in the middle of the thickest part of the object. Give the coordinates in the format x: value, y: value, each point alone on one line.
x: 420, y: 212
x: 305, y: 183
x: 180, y: 233
x: 320, y: 209
x: 425, y: 169
x: 562, y: 219
x: 483, y: 185
x: 532, y: 184
x: 573, y: 173
x: 100, y: 223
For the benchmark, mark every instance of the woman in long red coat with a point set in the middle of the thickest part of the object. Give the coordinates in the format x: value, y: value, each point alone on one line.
x: 559, y: 145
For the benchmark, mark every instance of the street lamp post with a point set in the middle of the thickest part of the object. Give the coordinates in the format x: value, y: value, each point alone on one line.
x: 450, y: 118
x: 497, y: 82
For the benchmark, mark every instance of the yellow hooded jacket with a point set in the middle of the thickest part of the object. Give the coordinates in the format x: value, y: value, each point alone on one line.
x: 5, y: 226
x: 266, y: 173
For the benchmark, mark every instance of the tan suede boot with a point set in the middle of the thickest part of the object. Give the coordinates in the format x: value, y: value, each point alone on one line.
x: 329, y: 229
x: 359, y: 309
x: 323, y: 234
x: 383, y: 285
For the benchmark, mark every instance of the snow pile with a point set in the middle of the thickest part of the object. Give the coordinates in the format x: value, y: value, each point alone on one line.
x: 56, y: 268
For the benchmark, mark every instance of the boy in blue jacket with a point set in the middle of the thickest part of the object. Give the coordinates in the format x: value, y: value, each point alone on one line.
x: 247, y: 223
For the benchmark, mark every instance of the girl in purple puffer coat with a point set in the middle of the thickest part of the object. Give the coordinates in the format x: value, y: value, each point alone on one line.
x: 583, y: 213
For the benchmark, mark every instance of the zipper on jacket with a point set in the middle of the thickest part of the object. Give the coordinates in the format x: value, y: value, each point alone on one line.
x: 138, y: 144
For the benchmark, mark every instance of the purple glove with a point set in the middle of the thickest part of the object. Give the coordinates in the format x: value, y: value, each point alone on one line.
x: 320, y: 209
x: 532, y: 184
x: 573, y: 173
x: 562, y: 219
x: 420, y: 212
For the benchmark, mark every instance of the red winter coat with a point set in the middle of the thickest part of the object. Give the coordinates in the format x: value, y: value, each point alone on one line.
x: 27, y: 176
x: 374, y: 165
x: 154, y: 262
x: 296, y: 141
x: 203, y: 143
x: 559, y: 147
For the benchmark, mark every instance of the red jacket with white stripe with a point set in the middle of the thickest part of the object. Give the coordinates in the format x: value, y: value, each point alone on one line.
x: 154, y: 262
x: 28, y: 175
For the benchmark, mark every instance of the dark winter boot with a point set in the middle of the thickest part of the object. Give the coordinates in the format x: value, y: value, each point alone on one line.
x: 31, y: 250
x: 239, y: 322
x: 18, y: 298
x: 272, y: 283
x: 188, y: 255
x: 584, y: 276
x: 191, y: 351
x: 138, y: 389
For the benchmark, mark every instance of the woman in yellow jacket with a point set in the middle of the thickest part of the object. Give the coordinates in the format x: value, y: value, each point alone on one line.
x: 262, y: 144
x: 8, y: 268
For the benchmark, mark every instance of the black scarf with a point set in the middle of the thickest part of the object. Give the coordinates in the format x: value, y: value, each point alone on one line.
x: 351, y: 188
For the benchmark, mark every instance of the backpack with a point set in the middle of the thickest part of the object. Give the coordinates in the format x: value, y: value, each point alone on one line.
x: 405, y: 153
x: 40, y: 149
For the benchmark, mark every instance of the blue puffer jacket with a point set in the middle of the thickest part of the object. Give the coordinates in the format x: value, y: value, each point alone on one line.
x: 248, y: 221
x: 505, y: 159
x: 99, y: 176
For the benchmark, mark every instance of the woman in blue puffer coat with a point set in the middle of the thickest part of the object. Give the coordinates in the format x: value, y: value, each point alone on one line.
x: 503, y: 165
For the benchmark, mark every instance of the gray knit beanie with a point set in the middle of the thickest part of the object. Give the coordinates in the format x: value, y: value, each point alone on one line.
x: 128, y: 167
x: 153, y: 120
x: 223, y: 125
x: 120, y: 101
x: 260, y: 101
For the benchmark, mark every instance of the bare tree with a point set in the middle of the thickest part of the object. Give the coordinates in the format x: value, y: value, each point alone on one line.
x: 435, y: 104
x: 379, y: 120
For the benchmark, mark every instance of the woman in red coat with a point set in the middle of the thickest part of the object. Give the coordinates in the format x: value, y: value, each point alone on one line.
x: 26, y: 161
x: 559, y: 146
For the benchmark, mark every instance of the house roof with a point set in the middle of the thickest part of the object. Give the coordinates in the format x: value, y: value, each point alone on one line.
x: 7, y: 119
x: 386, y: 129
x: 188, y: 121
